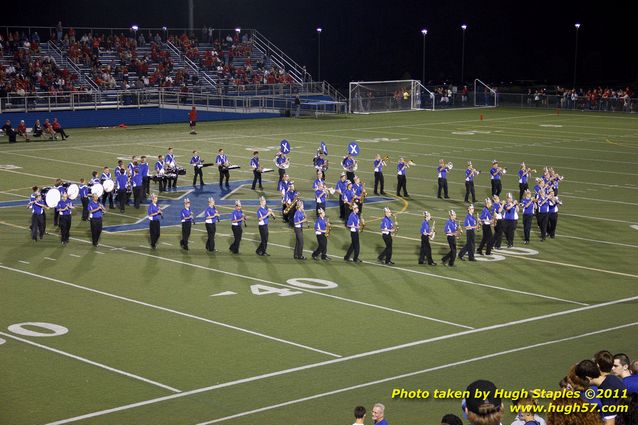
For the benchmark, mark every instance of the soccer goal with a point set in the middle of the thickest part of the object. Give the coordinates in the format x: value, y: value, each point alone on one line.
x: 367, y: 97
x: 484, y: 95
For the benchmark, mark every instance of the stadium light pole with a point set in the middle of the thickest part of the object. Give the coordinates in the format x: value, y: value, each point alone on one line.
x: 463, y: 28
x: 165, y: 29
x: 577, y: 26
x: 424, y: 31
x: 319, y: 29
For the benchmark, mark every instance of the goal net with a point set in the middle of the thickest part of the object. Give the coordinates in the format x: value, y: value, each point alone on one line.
x: 366, y: 97
x: 484, y: 95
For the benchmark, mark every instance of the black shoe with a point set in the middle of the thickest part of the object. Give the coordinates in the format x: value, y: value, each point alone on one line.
x: 153, y: 247
x: 376, y: 193
x: 471, y: 259
x: 461, y: 258
x: 325, y: 258
x: 383, y: 193
x: 447, y: 197
x: 265, y: 254
x: 421, y: 262
x: 301, y: 258
x: 252, y: 188
x: 479, y: 252
x: 432, y: 264
x: 314, y: 257
x: 356, y: 260
x: 261, y: 188
x: 439, y: 197
x: 185, y: 247
x: 391, y: 263
x: 346, y: 259
x: 444, y: 261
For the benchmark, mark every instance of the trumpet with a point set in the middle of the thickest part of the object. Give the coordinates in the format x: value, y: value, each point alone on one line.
x: 449, y: 165
x: 410, y: 163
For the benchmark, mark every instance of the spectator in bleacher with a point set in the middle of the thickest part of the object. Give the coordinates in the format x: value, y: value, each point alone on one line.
x: 58, y: 129
x: 59, y: 32
x: 48, y: 129
x: 488, y: 411
x: 37, y: 129
x: 451, y: 419
x: 22, y: 130
x: 599, y: 374
x: 9, y: 131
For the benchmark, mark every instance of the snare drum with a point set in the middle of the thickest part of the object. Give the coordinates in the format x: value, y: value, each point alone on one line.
x: 73, y: 191
x: 108, y: 186
x: 52, y: 197
x: 98, y: 189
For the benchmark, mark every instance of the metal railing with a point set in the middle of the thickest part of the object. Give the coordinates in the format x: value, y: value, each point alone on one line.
x: 582, y: 103
x: 277, y: 56
x: 66, y: 61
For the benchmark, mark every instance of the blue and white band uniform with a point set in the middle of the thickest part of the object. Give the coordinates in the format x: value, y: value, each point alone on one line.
x: 469, y: 175
x: 65, y: 207
x: 510, y: 212
x: 195, y: 160
x: 299, y: 216
x: 378, y: 165
x: 153, y: 212
x: 347, y: 196
x: 159, y: 166
x: 528, y: 206
x: 347, y: 163
x: 401, y: 167
x: 553, y: 205
x: 94, y: 209
x: 237, y: 215
x: 37, y: 208
x: 543, y: 204
x: 280, y: 160
x: 186, y: 215
x: 118, y: 171
x: 143, y: 168
x: 221, y: 159
x: 319, y: 163
x: 169, y: 159
x: 136, y: 180
x: 442, y: 171
x: 353, y: 222
x: 320, y: 226
x: 283, y: 189
x: 498, y: 211
x: 341, y: 186
x: 425, y: 228
x: 470, y: 221
x: 494, y: 174
x: 209, y: 215
x: 291, y: 195
x: 320, y: 196
x: 486, y: 216
x: 450, y: 227
x: 105, y: 176
x: 84, y: 191
x: 93, y: 181
x: 122, y: 180
x: 262, y: 216
x: 254, y: 162
x: 357, y: 188
x: 315, y: 184
x: 386, y: 226
x: 522, y: 177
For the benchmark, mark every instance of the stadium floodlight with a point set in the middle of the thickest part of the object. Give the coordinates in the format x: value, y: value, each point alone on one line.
x: 463, y: 27
x: 319, y: 29
x: 237, y: 30
x: 577, y: 25
x: 135, y: 28
x: 164, y: 29
x: 424, y: 31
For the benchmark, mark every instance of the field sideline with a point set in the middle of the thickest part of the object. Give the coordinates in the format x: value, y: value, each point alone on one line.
x: 123, y: 334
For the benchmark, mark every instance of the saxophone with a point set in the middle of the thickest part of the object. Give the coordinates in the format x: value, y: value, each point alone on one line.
x: 292, y: 204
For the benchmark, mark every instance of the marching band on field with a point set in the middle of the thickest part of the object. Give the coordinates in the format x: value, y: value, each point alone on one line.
x: 497, y: 220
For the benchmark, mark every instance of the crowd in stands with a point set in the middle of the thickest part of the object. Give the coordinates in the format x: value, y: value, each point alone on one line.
x: 613, y: 401
x: 594, y: 99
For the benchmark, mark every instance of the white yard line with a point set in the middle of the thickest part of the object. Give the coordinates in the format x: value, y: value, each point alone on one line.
x: 169, y: 310
x: 334, y: 361
x: 416, y: 373
x: 91, y: 362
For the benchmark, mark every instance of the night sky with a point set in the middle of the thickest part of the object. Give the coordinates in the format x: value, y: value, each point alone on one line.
x: 375, y: 40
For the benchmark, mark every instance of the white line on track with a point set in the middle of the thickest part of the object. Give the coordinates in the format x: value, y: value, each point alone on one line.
x: 91, y: 362
x: 49, y: 258
x: 75, y: 255
x: 418, y: 372
x: 170, y: 310
x: 340, y: 360
x: 23, y: 262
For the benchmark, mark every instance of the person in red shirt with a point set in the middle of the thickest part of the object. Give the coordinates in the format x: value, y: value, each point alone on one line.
x: 192, y: 119
x: 48, y: 129
x: 22, y: 130
x: 57, y: 128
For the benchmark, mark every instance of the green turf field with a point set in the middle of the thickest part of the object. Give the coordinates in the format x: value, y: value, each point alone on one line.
x: 141, y: 340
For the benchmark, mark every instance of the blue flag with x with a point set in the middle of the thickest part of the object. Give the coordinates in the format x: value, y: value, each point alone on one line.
x: 353, y: 149
x: 284, y: 146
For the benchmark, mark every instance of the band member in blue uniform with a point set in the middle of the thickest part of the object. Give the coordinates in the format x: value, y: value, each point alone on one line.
x: 320, y: 164
x: 263, y: 215
x: 188, y: 219
x: 402, y: 178
x: 211, y: 217
x: 96, y: 211
x: 321, y: 230
x: 222, y: 165
x: 154, y: 215
x: 318, y: 180
x: 146, y: 179
x: 282, y: 164
x: 354, y: 225
x: 282, y: 187
x: 527, y: 205
x: 37, y: 207
x: 360, y: 193
x: 555, y: 178
x: 299, y: 220
x: 523, y: 180
x: 65, y: 207
x: 486, y: 219
x: 470, y: 173
x: 388, y: 228
x: 237, y: 220
x: 495, y: 178
x: 470, y: 225
x: 84, y: 198
x: 379, y: 181
x: 510, y: 219
x: 320, y: 197
x: 122, y: 182
x: 290, y: 205
x: 451, y: 231
x: 348, y: 197
x: 498, y: 212
x: 427, y: 234
x: 160, y: 173
x: 169, y: 161
x: 197, y: 164
x: 348, y: 164
x: 542, y: 201
x: 340, y: 188
x: 137, y: 184
x: 442, y: 171
x: 254, y: 164
x: 59, y: 185
x: 552, y: 218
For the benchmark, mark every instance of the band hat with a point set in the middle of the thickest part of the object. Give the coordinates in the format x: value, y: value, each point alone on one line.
x: 482, y: 407
x: 494, y: 161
